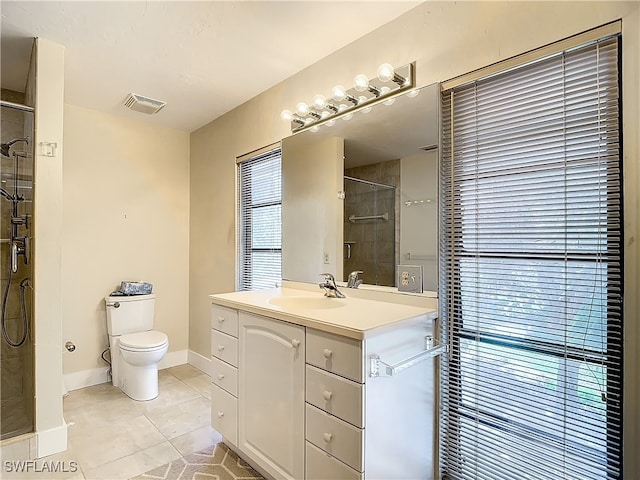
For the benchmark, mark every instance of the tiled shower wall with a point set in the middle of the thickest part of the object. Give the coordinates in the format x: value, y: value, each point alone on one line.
x: 16, y: 364
x: 374, y: 243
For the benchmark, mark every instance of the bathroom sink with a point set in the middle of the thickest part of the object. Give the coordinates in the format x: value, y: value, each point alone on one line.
x: 307, y: 303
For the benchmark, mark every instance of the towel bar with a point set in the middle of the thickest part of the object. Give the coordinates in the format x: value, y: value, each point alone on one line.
x: 430, y: 351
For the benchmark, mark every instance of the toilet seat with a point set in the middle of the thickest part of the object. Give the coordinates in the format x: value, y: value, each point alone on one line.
x: 143, y: 341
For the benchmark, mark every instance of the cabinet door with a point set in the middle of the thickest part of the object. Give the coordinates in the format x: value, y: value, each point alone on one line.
x: 271, y: 395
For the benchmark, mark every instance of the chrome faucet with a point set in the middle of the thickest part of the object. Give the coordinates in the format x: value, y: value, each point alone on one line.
x: 353, y: 281
x: 329, y: 286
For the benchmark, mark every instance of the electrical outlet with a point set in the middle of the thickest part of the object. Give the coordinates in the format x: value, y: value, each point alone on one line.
x: 326, y: 258
x: 410, y: 278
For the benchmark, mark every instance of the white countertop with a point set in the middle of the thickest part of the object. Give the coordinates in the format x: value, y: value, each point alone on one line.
x: 354, y: 317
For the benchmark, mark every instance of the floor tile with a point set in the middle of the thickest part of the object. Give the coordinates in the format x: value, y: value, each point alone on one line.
x: 101, y: 411
x: 96, y: 446
x: 136, y: 463
x: 201, y: 384
x: 112, y: 436
x: 164, y: 377
x: 182, y: 418
x: 184, y: 371
x: 196, y: 440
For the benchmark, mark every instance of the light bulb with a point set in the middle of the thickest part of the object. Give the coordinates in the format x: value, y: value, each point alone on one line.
x: 319, y: 101
x: 386, y: 72
x: 302, y: 109
x: 348, y: 116
x: 314, y: 128
x: 366, y: 109
x: 325, y: 113
x: 286, y: 115
x: 384, y: 91
x: 360, y: 82
x: 338, y: 93
x: 330, y: 123
x: 309, y: 120
x: 413, y: 93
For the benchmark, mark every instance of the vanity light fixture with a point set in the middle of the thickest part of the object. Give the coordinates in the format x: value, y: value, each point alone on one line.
x: 342, y: 103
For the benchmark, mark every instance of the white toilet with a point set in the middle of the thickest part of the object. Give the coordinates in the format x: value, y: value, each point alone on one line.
x: 135, y: 347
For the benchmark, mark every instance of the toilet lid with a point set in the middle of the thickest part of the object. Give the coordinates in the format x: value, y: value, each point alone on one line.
x: 144, y: 340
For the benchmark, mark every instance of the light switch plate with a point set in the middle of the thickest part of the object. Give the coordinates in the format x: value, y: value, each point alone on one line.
x: 410, y: 278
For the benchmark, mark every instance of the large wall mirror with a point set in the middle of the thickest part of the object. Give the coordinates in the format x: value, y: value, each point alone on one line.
x: 363, y: 194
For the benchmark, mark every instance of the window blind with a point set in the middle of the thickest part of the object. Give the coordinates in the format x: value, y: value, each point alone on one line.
x: 259, y: 221
x: 531, y: 271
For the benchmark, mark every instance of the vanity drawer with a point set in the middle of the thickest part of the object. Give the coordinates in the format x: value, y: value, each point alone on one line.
x: 225, y: 347
x: 334, y: 436
x: 224, y: 375
x: 225, y: 320
x: 320, y: 465
x: 224, y: 414
x: 336, y: 395
x: 340, y: 355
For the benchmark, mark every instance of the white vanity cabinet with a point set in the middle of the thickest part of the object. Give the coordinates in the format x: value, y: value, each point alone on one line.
x: 271, y: 395
x: 307, y: 403
x: 224, y: 372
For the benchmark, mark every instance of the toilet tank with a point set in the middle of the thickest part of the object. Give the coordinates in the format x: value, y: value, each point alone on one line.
x: 130, y: 314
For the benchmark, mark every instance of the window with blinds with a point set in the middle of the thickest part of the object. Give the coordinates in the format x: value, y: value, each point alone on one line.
x: 260, y: 221
x: 531, y: 271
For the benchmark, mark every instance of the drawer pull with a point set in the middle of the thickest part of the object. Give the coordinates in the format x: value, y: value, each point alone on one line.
x: 220, y: 376
x: 220, y: 319
x: 327, y: 437
x: 220, y: 414
x: 327, y: 395
x: 295, y: 343
x: 220, y: 348
x: 327, y: 353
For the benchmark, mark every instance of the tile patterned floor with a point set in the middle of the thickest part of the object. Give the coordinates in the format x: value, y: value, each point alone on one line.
x: 114, y: 437
x: 216, y: 462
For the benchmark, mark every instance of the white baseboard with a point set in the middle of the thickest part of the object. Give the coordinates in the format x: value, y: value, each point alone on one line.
x: 53, y: 440
x: 172, y: 359
x: 95, y: 376
x: 200, y: 362
x: 85, y: 378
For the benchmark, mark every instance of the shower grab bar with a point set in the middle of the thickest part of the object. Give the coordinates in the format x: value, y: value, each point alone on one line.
x: 431, y: 350
x: 17, y: 106
x: 384, y: 216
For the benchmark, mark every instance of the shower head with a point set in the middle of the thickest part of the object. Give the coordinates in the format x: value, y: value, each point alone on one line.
x: 4, y: 148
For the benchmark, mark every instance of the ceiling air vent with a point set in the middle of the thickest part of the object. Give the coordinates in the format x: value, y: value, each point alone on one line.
x: 138, y: 103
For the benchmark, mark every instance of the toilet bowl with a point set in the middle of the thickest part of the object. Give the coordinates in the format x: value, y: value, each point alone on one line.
x: 135, y: 347
x: 141, y: 353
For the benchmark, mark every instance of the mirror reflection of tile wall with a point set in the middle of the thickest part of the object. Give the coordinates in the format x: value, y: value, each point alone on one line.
x: 371, y: 245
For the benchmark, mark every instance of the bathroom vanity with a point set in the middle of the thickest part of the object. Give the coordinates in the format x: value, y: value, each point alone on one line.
x: 310, y: 387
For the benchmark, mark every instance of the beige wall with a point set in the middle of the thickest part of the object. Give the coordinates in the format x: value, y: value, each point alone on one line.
x: 445, y: 40
x: 311, y: 210
x: 47, y: 87
x: 126, y: 217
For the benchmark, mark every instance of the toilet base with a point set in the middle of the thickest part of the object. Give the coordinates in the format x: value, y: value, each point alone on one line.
x: 140, y: 382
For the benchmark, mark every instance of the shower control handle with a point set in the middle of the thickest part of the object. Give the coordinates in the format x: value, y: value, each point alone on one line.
x: 114, y: 304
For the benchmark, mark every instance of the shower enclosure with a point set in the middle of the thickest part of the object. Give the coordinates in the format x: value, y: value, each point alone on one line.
x: 369, y: 232
x: 16, y: 236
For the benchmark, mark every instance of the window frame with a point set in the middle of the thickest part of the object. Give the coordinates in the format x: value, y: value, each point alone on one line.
x: 245, y: 249
x: 454, y: 332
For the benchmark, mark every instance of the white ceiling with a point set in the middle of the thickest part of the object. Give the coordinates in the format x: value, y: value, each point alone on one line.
x: 203, y: 58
